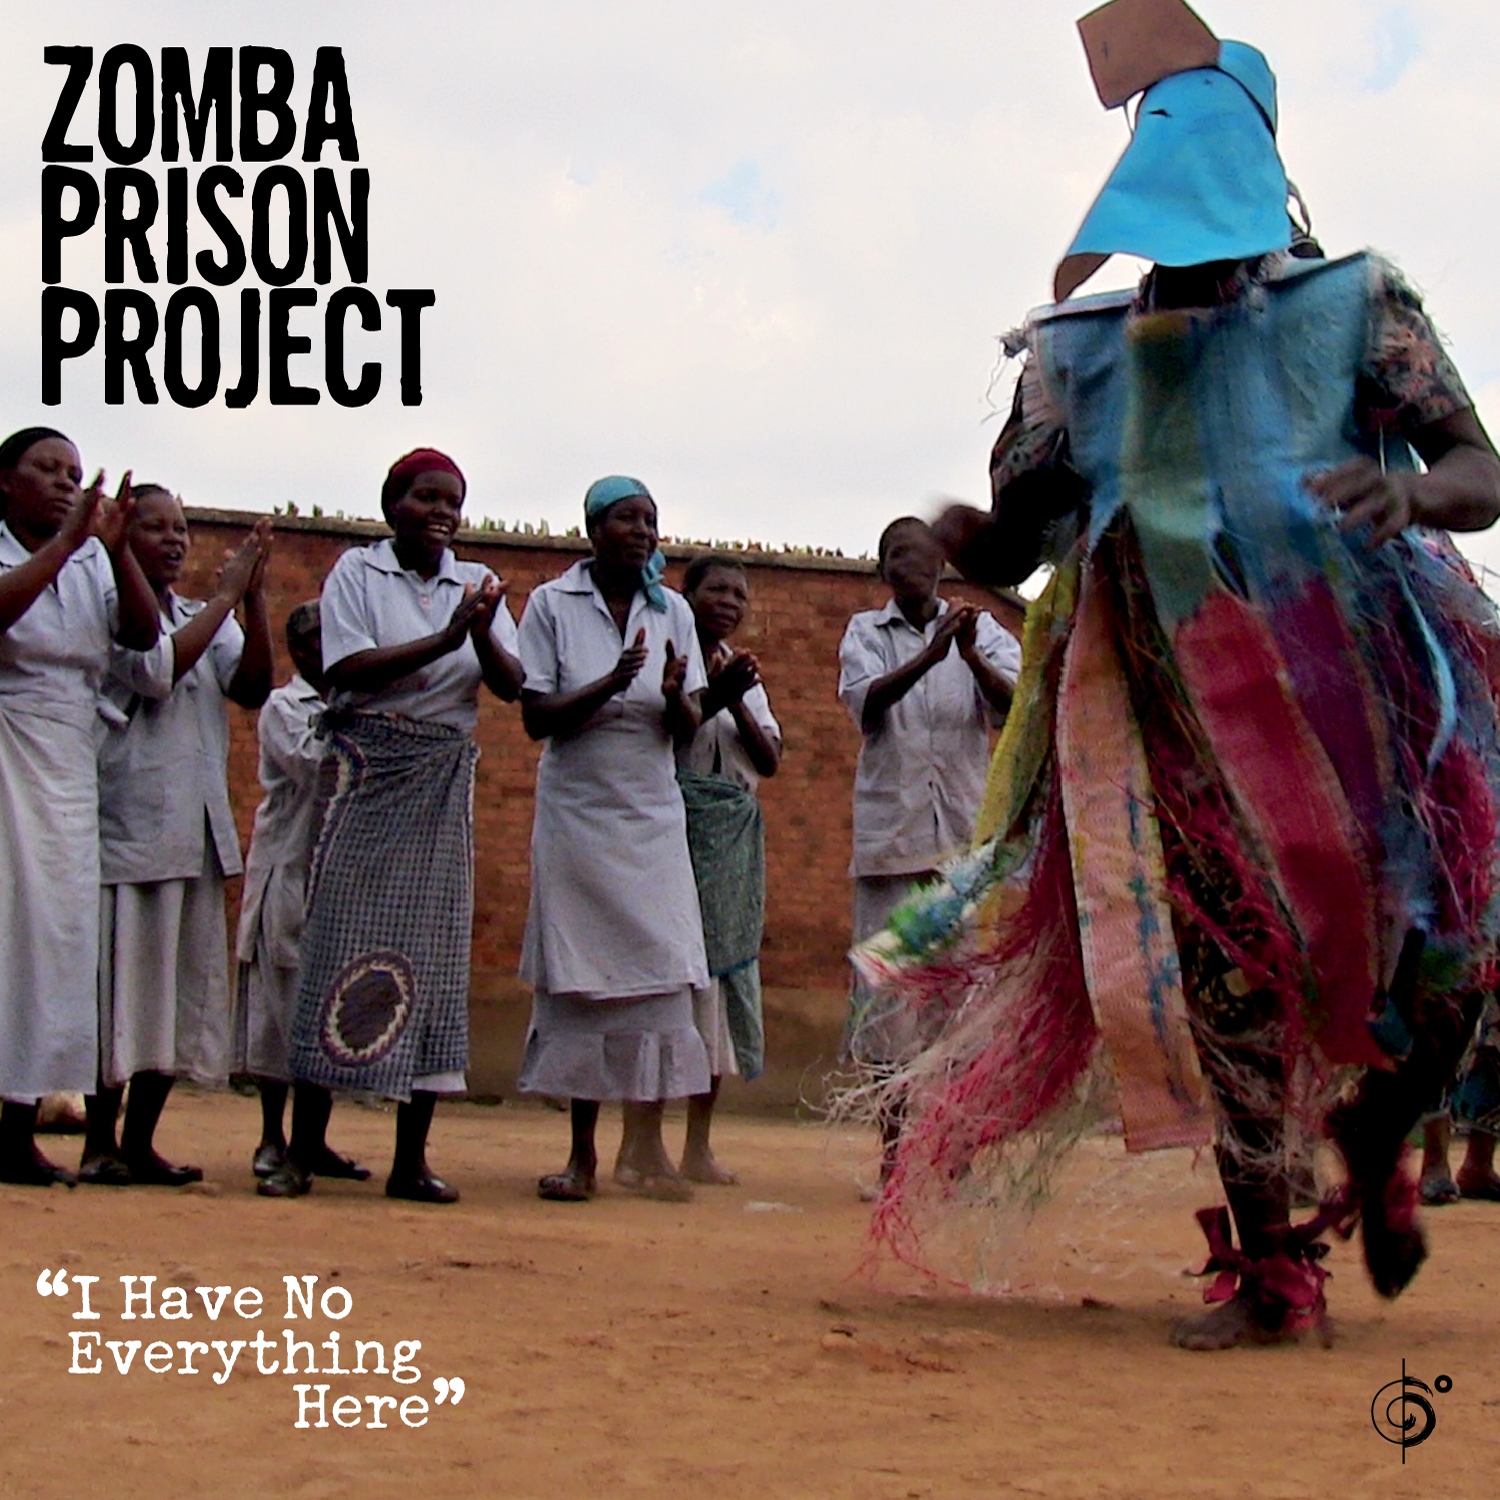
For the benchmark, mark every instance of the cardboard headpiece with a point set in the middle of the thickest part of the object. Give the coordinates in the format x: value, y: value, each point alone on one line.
x: 1201, y: 179
x: 1131, y: 44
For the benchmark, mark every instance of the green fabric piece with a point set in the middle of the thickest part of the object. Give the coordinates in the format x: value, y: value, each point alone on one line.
x: 747, y: 1030
x: 726, y: 839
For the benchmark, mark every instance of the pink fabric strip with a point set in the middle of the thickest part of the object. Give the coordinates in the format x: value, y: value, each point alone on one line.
x: 1130, y: 957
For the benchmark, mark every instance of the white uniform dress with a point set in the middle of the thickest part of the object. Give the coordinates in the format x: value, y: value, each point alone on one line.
x: 167, y: 844
x: 273, y: 907
x: 614, y: 939
x: 717, y: 750
x: 921, y: 775
x: 52, y: 661
x: 370, y: 601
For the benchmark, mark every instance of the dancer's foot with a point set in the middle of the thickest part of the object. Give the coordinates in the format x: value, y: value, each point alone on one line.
x: 1393, y: 1242
x: 1230, y: 1325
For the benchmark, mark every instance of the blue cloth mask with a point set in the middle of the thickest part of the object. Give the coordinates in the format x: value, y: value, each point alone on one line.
x: 1201, y: 179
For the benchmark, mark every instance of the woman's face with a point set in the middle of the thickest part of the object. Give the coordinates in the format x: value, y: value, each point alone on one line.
x: 427, y: 515
x: 625, y: 535
x: 720, y: 602
x: 42, y: 488
x: 159, y: 537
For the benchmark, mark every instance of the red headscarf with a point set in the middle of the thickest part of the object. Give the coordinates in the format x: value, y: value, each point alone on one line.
x: 406, y: 469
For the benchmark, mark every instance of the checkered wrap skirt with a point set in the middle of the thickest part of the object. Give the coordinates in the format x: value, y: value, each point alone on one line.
x: 384, y: 993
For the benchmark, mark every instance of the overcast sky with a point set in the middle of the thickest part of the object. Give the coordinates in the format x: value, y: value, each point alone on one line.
x: 757, y: 254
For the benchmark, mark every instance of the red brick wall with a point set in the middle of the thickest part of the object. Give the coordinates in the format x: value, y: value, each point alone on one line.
x: 799, y: 606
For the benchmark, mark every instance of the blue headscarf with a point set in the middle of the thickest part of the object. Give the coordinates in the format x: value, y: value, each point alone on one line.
x: 1201, y: 179
x: 604, y: 493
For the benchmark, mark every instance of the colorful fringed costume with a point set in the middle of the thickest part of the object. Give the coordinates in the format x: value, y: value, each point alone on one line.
x: 1241, y: 830
x: 1252, y: 769
x: 1251, y: 756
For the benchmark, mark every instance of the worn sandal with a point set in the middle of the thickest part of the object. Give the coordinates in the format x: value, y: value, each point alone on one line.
x: 331, y: 1164
x: 424, y: 1189
x: 105, y: 1171
x: 565, y: 1187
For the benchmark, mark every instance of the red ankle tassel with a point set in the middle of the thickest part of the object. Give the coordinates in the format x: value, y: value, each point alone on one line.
x: 1290, y: 1281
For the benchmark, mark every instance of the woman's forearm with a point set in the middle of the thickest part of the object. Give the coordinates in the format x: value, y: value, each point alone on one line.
x: 558, y: 715
x: 500, y: 670
x: 21, y: 586
x: 378, y: 667
x: 682, y: 716
x: 251, y: 684
x: 140, y: 613
x: 192, y: 640
x: 764, y: 752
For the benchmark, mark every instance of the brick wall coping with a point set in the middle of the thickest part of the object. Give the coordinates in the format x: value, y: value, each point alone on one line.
x: 372, y: 530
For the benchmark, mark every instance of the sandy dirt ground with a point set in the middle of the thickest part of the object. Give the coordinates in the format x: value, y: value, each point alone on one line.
x: 726, y: 1348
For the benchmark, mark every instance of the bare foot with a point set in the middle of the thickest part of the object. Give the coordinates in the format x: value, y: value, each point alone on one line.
x: 652, y: 1179
x: 61, y: 1114
x: 664, y: 1187
x: 702, y: 1166
x: 1475, y: 1185
x: 1437, y: 1188
x: 1229, y: 1326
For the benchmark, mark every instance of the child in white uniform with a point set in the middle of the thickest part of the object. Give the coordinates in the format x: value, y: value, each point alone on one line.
x: 274, y: 907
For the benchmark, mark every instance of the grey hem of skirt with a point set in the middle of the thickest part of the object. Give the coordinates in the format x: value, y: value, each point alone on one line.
x: 641, y: 1049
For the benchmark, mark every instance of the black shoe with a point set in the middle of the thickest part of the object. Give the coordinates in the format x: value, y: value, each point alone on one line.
x: 36, y: 1172
x: 423, y: 1189
x: 105, y: 1171
x: 331, y: 1164
x: 287, y: 1181
x: 267, y: 1159
x: 154, y: 1171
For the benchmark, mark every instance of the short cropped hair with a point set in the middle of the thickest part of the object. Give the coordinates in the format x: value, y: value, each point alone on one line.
x: 901, y: 523
x: 698, y: 568
x: 303, y: 624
